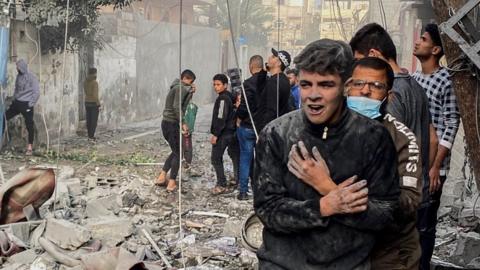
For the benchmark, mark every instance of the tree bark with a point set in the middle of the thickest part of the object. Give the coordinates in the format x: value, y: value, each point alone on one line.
x: 465, y: 85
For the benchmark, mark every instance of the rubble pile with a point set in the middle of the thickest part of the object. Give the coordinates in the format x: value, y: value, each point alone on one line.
x: 113, y: 217
x: 458, y: 231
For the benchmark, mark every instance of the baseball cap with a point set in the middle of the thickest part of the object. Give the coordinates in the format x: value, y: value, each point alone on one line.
x: 283, y: 56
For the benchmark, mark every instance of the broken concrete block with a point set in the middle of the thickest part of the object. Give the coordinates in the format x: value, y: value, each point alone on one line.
x: 65, y: 234
x: 111, y: 230
x: 102, y: 207
x: 65, y: 172
x: 468, y: 247
x: 25, y: 257
x: 74, y: 187
x: 91, y: 181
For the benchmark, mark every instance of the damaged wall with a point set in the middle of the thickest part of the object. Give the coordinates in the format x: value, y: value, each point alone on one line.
x: 140, y: 60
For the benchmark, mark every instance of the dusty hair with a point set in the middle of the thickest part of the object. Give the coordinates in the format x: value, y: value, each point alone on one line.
x: 326, y: 56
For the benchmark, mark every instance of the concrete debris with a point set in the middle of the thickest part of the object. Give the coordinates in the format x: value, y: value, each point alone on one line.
x: 24, y: 257
x: 130, y: 198
x: 74, y: 187
x: 474, y: 264
x: 111, y: 230
x: 66, y: 234
x: 101, y: 207
x: 468, y: 247
x: 232, y: 228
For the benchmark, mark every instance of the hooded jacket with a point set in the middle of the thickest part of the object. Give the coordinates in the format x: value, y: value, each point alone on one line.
x: 91, y: 89
x: 26, y: 85
x: 296, y: 235
x: 171, y: 112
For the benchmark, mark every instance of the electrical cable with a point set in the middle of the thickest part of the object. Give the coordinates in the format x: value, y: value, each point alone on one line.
x: 180, y: 100
x: 61, y: 101
x: 238, y: 67
x: 278, y: 49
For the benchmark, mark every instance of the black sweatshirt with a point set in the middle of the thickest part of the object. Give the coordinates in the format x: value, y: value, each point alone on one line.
x: 296, y: 236
x: 223, y: 118
x: 267, y: 102
x: 252, y: 87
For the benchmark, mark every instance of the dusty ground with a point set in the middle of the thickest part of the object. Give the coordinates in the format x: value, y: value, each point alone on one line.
x: 115, y: 156
x: 124, y: 189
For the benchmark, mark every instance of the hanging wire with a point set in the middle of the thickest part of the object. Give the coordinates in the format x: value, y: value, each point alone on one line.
x: 342, y: 29
x: 383, y: 16
x: 61, y: 101
x: 180, y: 137
x: 278, y: 49
x: 238, y: 67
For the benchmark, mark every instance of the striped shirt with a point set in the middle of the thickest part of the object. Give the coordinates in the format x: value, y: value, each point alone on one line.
x: 443, y: 108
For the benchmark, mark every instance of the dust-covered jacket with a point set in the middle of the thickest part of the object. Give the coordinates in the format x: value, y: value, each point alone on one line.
x: 296, y: 235
x: 171, y: 111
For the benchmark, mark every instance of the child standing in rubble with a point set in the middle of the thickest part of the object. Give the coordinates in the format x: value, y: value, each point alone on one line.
x: 189, y: 120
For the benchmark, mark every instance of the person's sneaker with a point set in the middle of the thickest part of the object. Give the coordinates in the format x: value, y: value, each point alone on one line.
x: 242, y: 196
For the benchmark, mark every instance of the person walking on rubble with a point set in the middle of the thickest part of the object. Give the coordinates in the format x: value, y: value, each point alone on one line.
x: 223, y: 132
x: 92, y: 103
x: 304, y: 226
x: 26, y: 94
x: 181, y: 90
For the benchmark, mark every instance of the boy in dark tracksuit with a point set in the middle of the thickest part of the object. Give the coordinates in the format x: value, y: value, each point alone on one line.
x: 223, y: 132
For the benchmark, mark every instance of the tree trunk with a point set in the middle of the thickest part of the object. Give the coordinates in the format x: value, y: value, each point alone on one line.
x: 465, y: 85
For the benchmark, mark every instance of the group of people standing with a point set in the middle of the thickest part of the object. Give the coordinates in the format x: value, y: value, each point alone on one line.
x: 350, y: 151
x: 235, y: 124
x: 353, y: 180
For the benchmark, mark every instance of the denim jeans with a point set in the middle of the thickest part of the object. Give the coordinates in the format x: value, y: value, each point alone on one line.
x: 246, y: 139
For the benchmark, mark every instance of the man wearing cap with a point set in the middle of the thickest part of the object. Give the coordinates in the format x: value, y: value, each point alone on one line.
x: 274, y: 98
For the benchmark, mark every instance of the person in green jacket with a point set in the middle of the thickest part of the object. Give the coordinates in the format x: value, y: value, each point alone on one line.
x: 92, y: 103
x: 189, y: 120
x: 181, y: 91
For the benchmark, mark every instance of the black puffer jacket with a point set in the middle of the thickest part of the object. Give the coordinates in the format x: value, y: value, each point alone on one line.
x: 296, y: 236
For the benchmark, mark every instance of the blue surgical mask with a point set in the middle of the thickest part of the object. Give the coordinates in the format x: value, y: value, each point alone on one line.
x: 365, y: 106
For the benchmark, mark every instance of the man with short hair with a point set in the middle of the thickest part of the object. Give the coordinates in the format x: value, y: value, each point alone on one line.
x: 248, y: 126
x: 25, y: 96
x: 292, y: 74
x: 408, y: 104
x: 274, y: 99
x: 435, y: 80
x: 181, y: 90
x: 302, y: 228
x: 367, y: 91
x: 223, y: 132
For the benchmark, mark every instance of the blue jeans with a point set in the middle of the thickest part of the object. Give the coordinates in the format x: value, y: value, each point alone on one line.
x: 246, y: 138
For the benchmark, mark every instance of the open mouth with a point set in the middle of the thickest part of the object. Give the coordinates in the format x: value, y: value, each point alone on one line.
x: 315, y: 109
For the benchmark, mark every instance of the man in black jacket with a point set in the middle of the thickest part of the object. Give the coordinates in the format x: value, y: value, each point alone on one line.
x: 306, y: 230
x: 247, y: 129
x: 274, y: 98
x: 223, y: 132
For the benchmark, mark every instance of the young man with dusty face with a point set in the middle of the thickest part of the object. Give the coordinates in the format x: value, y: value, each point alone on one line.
x: 303, y: 227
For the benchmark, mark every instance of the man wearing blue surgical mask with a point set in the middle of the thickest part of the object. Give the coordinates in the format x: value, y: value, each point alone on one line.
x: 367, y: 94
